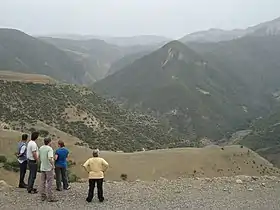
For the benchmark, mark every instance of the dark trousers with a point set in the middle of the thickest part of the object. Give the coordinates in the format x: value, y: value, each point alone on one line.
x: 99, y: 189
x: 32, y: 164
x: 61, y: 175
x: 22, y: 172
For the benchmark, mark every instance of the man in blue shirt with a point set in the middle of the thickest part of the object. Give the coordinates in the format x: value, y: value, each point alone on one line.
x: 22, y: 159
x: 61, y: 155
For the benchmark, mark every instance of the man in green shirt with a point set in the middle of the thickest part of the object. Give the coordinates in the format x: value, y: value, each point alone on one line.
x: 47, y: 170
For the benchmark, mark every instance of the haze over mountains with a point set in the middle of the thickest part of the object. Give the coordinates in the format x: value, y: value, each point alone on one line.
x: 217, y: 35
x: 205, y: 86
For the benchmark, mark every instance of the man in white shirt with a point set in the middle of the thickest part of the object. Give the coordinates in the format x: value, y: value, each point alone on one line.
x: 32, y: 159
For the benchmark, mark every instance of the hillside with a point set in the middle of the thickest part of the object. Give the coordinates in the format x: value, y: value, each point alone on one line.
x: 265, y: 137
x: 96, y: 56
x: 177, y: 84
x: 21, y: 77
x: 253, y: 60
x: 217, y: 35
x: 81, y: 113
x: 22, y: 53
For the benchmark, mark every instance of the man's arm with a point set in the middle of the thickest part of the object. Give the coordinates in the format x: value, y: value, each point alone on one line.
x: 22, y: 151
x: 50, y: 157
x: 85, y: 166
x: 35, y: 152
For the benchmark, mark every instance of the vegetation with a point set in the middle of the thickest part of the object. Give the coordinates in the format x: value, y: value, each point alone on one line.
x: 83, y: 114
x: 22, y: 53
x: 3, y: 159
x: 178, y: 86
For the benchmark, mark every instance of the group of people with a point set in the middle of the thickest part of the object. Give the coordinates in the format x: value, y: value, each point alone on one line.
x: 29, y: 156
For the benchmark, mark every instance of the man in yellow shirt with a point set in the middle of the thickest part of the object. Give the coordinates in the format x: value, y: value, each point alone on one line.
x: 95, y: 167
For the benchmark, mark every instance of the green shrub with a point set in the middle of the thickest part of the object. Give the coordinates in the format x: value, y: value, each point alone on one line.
x: 124, y: 177
x: 72, y: 177
x: 3, y: 159
x: 11, y: 166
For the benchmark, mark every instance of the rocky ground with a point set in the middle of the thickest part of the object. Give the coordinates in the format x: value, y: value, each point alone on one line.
x: 242, y: 192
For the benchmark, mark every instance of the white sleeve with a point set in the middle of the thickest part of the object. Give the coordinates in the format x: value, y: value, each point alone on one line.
x: 22, y: 149
x: 33, y: 147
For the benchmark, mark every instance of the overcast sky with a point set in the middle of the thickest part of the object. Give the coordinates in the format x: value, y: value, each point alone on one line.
x: 171, y: 18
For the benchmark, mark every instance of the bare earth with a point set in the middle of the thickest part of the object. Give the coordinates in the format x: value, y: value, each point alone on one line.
x: 215, y: 193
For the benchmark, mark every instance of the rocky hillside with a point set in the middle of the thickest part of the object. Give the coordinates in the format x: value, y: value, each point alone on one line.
x: 81, y: 113
x: 20, y: 52
x: 182, y: 87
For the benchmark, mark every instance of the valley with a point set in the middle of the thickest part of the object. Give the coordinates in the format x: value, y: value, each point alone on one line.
x: 148, y: 103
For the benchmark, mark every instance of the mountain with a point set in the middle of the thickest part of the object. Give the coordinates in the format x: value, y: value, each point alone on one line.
x: 119, y: 41
x: 265, y: 137
x: 97, y: 57
x: 94, y: 55
x: 81, y: 113
x: 136, y: 40
x: 216, y: 35
x: 178, y: 85
x: 20, y: 52
x: 253, y: 59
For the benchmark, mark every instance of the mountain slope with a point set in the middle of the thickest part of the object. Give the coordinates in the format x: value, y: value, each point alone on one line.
x: 22, y: 53
x: 265, y: 137
x: 179, y: 85
x: 81, y: 113
x: 216, y: 35
x: 254, y: 60
x: 94, y: 55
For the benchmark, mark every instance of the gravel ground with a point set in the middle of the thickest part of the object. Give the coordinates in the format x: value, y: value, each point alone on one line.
x: 219, y: 193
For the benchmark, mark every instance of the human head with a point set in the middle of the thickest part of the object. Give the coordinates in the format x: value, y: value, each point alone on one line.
x: 24, y: 137
x: 61, y: 143
x: 47, y: 140
x: 95, y: 153
x: 34, y: 136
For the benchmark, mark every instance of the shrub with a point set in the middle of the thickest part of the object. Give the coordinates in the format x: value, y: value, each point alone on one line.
x: 11, y: 166
x: 43, y: 133
x: 72, y: 177
x: 124, y: 177
x: 3, y: 159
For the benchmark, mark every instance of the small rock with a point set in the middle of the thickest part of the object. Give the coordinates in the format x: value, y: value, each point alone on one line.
x: 255, y: 178
x: 250, y: 189
x: 239, y: 181
x: 225, y: 189
x: 263, y: 184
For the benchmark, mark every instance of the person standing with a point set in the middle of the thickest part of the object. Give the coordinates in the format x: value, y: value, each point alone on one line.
x: 95, y: 167
x: 61, y: 156
x: 32, y: 161
x: 47, y: 170
x: 22, y: 159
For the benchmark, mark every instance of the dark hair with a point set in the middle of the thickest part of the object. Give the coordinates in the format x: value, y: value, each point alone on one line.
x: 61, y: 143
x: 24, y: 137
x: 47, y: 140
x: 34, y: 135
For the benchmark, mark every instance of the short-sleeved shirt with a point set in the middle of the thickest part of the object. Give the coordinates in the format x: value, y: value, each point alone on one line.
x: 45, y: 153
x: 96, y: 167
x: 31, y: 147
x: 62, y: 154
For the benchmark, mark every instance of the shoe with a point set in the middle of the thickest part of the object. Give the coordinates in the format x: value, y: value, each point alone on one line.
x: 43, y: 197
x: 68, y: 188
x: 58, y: 189
x: 101, y: 200
x: 52, y: 200
x: 33, y: 191
x: 22, y: 186
x: 88, y: 200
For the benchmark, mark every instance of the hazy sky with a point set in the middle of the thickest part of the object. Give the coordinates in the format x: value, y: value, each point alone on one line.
x: 171, y: 18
